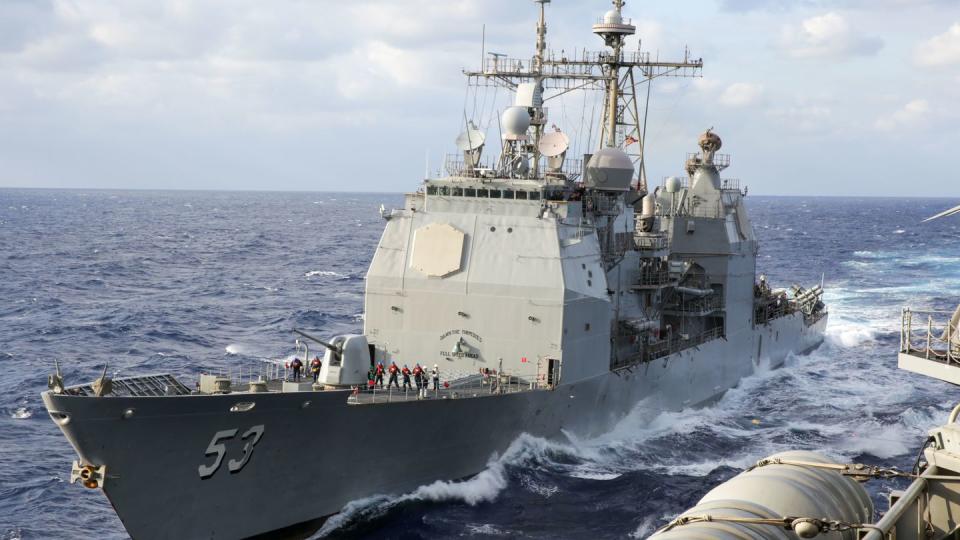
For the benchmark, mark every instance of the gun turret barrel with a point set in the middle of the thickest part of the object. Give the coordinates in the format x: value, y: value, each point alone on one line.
x: 333, y: 348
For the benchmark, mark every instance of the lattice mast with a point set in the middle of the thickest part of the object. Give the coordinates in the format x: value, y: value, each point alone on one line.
x: 611, y: 71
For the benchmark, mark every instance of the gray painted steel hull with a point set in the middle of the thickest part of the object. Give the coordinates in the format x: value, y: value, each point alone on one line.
x: 314, y: 459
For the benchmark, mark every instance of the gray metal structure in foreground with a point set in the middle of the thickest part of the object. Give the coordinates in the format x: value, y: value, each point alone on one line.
x: 930, y: 507
x: 549, y: 296
x: 804, y: 495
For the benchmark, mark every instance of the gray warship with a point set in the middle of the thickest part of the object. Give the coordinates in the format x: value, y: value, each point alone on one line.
x: 551, y: 295
x: 806, y: 495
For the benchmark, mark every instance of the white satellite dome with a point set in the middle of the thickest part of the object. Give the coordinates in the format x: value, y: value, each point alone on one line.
x: 673, y: 184
x: 515, y: 121
x: 612, y: 17
x: 609, y: 169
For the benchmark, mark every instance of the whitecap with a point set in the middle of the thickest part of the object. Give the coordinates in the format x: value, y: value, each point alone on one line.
x: 324, y: 273
x: 236, y: 348
x: 543, y: 490
x: 849, y: 335
x: 899, y: 231
x: 647, y: 527
x: 21, y: 413
x: 602, y: 476
x: 486, y: 529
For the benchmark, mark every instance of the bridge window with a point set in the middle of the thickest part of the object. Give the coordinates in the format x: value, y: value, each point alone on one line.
x: 522, y: 195
x: 469, y: 192
x: 431, y: 190
x: 483, y: 193
x: 443, y: 190
x: 534, y: 195
x: 508, y: 194
x: 494, y: 193
x: 457, y: 192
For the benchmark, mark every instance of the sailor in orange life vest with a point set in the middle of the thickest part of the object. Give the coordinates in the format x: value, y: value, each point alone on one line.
x: 315, y: 368
x: 393, y: 375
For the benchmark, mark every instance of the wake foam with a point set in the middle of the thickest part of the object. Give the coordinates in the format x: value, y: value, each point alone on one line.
x: 21, y: 413
x: 484, y: 487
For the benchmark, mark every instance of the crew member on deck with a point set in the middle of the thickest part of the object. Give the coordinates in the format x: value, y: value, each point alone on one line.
x: 418, y: 376
x: 436, y: 377
x: 393, y: 375
x: 406, y: 378
x: 378, y: 380
x: 315, y: 368
x: 297, y: 366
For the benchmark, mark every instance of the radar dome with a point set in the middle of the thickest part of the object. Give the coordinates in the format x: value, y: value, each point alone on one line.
x: 673, y: 184
x: 515, y: 122
x: 609, y: 169
x: 612, y: 17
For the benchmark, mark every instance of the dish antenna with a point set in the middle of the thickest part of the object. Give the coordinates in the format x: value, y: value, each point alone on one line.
x: 470, y: 142
x: 553, y: 146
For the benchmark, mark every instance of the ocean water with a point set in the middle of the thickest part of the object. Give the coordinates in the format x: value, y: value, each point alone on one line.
x: 181, y: 281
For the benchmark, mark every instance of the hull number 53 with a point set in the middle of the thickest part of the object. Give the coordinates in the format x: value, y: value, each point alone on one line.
x: 218, y: 449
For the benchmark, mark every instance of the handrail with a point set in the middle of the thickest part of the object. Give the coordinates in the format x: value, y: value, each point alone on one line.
x: 929, y: 340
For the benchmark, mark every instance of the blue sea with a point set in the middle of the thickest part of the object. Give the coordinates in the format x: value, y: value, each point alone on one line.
x: 163, y: 281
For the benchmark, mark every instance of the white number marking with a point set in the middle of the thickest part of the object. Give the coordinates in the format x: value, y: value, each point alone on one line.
x: 256, y: 432
x: 218, y: 448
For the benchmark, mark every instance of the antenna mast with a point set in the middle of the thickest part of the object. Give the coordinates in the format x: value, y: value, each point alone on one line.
x: 621, y: 123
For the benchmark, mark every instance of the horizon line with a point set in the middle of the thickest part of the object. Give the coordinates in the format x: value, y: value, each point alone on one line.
x: 375, y: 192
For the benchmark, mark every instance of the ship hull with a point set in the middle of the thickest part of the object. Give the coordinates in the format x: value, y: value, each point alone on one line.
x: 317, y: 452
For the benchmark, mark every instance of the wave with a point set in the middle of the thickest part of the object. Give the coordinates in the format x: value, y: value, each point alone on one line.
x: 22, y: 413
x: 487, y: 529
x: 325, y: 273
x: 484, y: 487
x: 236, y: 348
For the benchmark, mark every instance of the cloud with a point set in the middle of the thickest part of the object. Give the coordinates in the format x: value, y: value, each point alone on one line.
x: 808, y: 118
x: 741, y: 94
x: 744, y: 6
x: 913, y: 114
x: 741, y: 6
x: 828, y: 35
x: 940, y: 50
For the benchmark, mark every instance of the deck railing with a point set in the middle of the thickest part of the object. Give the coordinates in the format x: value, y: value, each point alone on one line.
x: 452, y: 386
x: 665, y: 347
x: 930, y: 335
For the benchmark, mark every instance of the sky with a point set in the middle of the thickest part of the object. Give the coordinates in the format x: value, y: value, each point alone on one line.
x: 811, y: 97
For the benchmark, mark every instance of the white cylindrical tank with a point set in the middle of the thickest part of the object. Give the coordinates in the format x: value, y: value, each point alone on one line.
x: 649, y: 206
x: 776, y: 491
x: 515, y: 121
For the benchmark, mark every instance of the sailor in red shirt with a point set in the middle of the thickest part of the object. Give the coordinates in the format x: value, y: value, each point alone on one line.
x: 393, y: 375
